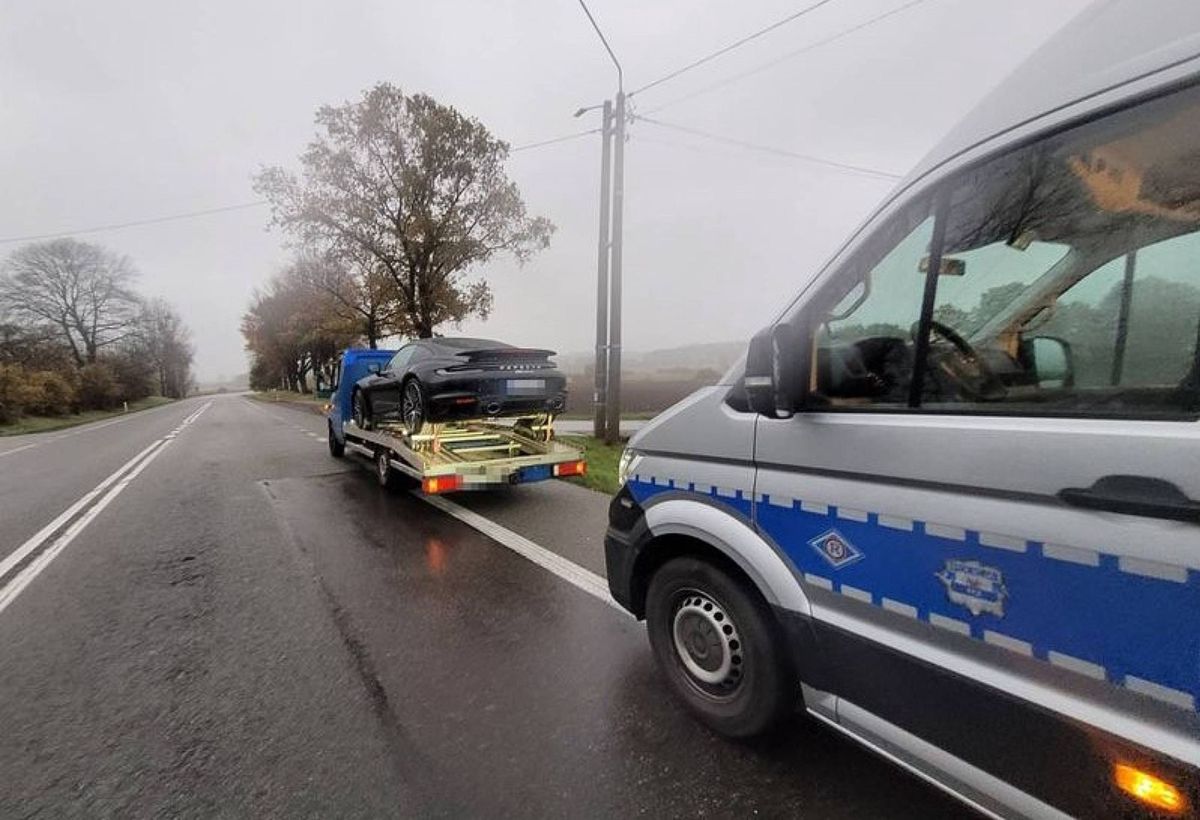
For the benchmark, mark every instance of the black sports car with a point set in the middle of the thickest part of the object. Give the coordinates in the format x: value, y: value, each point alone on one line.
x: 436, y: 380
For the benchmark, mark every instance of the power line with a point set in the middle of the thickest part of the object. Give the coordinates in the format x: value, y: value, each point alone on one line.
x: 726, y: 49
x: 115, y: 226
x: 789, y: 55
x: 553, y: 141
x: 767, y: 149
x: 135, y: 223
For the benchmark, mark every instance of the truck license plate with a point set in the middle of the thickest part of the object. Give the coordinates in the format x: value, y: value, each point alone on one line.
x: 525, y: 387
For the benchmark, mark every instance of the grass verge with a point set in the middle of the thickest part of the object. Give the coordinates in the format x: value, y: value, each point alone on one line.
x: 45, y: 424
x: 286, y: 395
x: 601, y: 463
x: 637, y: 415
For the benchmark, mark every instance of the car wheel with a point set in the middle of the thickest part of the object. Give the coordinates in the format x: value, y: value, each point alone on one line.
x: 412, y: 407
x: 337, y: 449
x: 360, y: 411
x: 719, y: 647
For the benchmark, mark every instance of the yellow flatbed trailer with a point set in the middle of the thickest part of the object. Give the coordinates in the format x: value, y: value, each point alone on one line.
x: 467, y: 455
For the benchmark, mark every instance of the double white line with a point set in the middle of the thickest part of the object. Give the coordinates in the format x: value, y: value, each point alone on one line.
x: 106, y: 491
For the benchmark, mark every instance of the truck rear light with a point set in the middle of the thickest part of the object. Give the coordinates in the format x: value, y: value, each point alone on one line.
x: 1147, y: 788
x: 441, y: 484
x: 567, y: 468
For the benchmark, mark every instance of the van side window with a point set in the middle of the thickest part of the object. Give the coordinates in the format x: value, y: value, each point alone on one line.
x: 864, y: 342
x: 1067, y: 282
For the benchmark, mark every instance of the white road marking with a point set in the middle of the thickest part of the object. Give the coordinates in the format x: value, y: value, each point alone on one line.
x: 122, y: 478
x: 36, y: 540
x: 572, y: 573
x: 85, y: 428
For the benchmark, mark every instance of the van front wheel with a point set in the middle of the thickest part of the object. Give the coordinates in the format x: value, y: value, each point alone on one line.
x: 719, y: 647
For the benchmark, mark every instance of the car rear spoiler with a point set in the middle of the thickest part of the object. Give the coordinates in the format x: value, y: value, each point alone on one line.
x: 507, y: 354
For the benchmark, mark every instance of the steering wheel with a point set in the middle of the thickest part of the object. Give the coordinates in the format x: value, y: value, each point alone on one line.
x: 969, y: 373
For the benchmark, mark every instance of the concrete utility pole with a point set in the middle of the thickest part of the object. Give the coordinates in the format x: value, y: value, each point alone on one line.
x: 609, y: 406
x: 612, y: 432
x: 601, y: 375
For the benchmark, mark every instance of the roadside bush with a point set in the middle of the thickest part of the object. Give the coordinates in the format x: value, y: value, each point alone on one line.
x: 133, y: 376
x: 98, y: 388
x: 50, y: 394
x: 14, y: 392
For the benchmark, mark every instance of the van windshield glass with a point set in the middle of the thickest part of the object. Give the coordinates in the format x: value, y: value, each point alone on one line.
x: 966, y: 302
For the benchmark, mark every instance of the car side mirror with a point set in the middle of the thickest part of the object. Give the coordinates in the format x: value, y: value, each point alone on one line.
x: 373, y: 367
x: 772, y: 377
x: 1050, y: 361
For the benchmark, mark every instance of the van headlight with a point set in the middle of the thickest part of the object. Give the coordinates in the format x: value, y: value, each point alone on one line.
x: 627, y: 464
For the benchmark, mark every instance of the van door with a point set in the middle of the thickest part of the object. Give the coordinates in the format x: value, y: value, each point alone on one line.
x: 991, y: 494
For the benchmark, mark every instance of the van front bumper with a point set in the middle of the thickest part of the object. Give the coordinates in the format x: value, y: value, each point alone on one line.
x: 623, y: 543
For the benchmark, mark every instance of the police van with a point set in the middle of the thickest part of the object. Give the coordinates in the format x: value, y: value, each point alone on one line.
x: 950, y: 502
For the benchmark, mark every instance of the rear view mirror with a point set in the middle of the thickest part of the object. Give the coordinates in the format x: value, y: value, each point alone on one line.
x: 772, y: 377
x: 949, y: 266
x: 373, y: 367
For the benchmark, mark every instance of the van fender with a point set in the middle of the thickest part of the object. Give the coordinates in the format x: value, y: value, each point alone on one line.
x: 737, y: 540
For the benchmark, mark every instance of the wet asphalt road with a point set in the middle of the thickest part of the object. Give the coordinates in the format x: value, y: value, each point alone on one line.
x: 249, y: 628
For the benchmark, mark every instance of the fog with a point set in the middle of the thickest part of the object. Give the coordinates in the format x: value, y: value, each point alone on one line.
x: 125, y: 111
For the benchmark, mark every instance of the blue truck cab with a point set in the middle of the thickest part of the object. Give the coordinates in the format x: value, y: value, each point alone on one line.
x: 355, y: 364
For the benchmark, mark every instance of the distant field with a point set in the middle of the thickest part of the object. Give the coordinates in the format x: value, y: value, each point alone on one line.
x: 640, y: 397
x: 44, y: 424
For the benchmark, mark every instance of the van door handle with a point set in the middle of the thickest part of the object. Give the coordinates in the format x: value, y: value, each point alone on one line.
x: 1135, y: 495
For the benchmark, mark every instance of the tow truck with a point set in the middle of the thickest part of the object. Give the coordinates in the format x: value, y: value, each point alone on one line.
x: 442, y: 458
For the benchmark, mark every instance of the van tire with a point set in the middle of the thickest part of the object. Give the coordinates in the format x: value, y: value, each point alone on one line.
x: 728, y: 626
x: 337, y: 449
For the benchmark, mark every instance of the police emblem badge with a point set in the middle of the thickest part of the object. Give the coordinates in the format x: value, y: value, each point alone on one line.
x: 835, y: 549
x: 976, y: 586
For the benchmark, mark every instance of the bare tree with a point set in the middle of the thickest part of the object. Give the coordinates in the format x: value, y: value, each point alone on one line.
x: 290, y: 334
x: 166, y: 342
x: 356, y: 290
x: 81, y: 290
x: 417, y: 186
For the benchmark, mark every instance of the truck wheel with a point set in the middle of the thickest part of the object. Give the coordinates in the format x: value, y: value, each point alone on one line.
x: 719, y: 647
x: 383, y: 467
x: 337, y: 449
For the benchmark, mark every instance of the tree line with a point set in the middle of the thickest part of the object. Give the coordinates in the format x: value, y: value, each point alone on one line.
x: 75, y: 335
x: 399, y: 198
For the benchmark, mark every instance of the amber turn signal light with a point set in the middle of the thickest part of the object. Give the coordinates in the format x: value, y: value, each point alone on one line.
x: 570, y: 468
x: 441, y: 484
x: 1148, y: 789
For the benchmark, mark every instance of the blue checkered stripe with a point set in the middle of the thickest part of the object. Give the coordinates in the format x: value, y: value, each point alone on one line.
x: 1131, y: 622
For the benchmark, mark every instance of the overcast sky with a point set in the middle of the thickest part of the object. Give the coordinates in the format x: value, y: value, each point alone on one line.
x: 120, y: 111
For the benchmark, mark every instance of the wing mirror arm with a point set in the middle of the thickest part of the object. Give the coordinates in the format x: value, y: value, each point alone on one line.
x: 774, y: 372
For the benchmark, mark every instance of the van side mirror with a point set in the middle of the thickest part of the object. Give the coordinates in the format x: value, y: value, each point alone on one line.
x: 1049, y: 360
x: 773, y: 371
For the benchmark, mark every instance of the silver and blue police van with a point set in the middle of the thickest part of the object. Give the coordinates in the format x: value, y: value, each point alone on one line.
x: 950, y: 502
